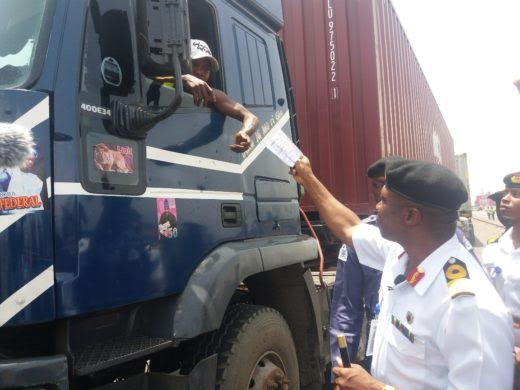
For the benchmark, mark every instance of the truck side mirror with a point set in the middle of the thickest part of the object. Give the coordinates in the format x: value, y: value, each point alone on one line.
x: 163, y: 38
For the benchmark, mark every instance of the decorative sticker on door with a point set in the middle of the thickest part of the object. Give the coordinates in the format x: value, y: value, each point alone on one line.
x: 166, y: 218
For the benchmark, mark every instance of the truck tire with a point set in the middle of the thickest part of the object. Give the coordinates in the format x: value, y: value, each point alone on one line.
x: 256, y: 351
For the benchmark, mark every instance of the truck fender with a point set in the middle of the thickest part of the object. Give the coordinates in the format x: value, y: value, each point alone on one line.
x: 201, y: 306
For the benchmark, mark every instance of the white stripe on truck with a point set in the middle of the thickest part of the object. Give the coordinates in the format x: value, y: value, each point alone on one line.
x: 63, y: 188
x: 25, y: 295
x: 35, y: 115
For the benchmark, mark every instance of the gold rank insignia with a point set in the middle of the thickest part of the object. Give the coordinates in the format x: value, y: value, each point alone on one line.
x: 492, y: 240
x: 515, y: 179
x: 457, y: 277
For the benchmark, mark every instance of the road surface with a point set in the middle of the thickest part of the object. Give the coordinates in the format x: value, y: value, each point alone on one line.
x: 484, y: 230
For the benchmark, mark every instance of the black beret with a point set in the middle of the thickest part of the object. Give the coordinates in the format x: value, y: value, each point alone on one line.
x: 427, y: 184
x: 512, y: 180
x: 378, y: 168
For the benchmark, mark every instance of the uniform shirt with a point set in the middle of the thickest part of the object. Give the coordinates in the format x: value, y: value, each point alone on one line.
x: 356, y: 290
x: 502, y: 256
x: 425, y: 339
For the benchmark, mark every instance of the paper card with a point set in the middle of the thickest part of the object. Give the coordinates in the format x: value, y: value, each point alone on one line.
x: 284, y: 148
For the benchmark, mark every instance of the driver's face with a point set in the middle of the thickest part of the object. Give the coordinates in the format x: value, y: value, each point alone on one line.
x: 201, y: 69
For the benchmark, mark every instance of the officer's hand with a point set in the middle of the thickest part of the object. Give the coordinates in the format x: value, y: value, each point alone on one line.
x: 242, y: 142
x: 354, y: 378
x: 201, y: 91
x: 302, y: 170
x: 517, y: 357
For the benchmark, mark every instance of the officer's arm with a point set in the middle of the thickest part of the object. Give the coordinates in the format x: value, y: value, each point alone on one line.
x: 235, y: 110
x: 341, y: 220
x: 477, y: 345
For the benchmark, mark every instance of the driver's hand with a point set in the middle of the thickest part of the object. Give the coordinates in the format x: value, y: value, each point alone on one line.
x: 242, y: 142
x: 201, y: 91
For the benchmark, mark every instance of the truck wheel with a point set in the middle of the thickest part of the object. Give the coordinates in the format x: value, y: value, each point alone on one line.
x: 256, y: 351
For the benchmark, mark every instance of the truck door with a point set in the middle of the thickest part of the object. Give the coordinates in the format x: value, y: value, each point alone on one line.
x: 135, y: 217
x: 26, y: 240
x: 255, y: 77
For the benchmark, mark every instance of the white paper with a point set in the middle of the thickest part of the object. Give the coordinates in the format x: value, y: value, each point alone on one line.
x: 284, y: 149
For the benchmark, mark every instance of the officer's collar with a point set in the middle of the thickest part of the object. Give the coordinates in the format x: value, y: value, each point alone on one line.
x: 431, y: 266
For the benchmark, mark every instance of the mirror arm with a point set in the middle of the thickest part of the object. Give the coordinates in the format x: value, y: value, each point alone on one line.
x: 134, y: 121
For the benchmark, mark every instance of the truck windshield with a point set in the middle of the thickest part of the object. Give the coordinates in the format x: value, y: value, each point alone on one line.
x: 20, y: 25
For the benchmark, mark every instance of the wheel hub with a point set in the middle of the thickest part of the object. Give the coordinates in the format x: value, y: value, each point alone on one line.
x: 268, y: 376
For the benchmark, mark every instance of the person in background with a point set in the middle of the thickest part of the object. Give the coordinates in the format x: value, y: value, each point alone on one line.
x: 441, y: 325
x: 497, y: 198
x: 502, y: 258
x: 203, y: 63
x: 356, y: 288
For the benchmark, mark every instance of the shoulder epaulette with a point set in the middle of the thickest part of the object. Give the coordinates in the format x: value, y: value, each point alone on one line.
x: 492, y: 240
x: 457, y: 277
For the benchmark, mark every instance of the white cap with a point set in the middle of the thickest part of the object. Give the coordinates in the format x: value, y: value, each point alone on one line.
x: 200, y: 49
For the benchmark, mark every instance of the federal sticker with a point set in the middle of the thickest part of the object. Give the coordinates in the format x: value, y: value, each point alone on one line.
x: 22, y: 174
x: 167, y: 218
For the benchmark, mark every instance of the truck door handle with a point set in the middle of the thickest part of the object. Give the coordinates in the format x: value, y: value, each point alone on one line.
x: 231, y: 215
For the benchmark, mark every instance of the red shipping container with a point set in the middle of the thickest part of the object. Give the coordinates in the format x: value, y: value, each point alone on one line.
x: 360, y: 93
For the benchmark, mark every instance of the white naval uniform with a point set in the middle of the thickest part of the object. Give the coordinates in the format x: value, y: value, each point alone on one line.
x: 465, y: 342
x: 503, y: 254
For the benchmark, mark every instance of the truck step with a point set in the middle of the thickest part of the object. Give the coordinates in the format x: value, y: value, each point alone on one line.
x: 98, y: 356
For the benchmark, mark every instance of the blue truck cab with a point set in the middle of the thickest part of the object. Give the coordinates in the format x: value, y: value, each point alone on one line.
x: 136, y: 249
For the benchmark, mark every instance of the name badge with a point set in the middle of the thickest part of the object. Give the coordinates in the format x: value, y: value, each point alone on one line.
x: 343, y: 253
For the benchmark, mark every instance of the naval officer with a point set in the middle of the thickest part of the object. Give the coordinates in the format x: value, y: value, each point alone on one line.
x: 441, y: 323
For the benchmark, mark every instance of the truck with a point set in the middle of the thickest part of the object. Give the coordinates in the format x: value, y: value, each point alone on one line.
x: 360, y: 95
x: 137, y: 250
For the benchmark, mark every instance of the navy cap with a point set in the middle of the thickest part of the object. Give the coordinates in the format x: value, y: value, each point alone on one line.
x: 427, y: 184
x: 512, y: 180
x: 378, y: 168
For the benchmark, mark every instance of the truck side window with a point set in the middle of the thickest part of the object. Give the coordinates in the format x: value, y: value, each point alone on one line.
x: 160, y: 90
x: 109, y: 72
x: 203, y: 26
x: 254, y: 71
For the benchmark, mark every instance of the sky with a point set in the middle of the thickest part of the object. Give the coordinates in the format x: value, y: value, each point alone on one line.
x: 469, y: 51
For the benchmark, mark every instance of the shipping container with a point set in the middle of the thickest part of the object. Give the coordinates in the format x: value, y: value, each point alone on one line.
x: 461, y: 169
x: 360, y: 94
